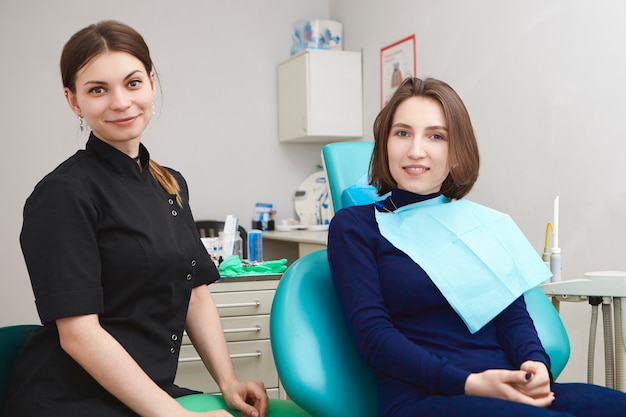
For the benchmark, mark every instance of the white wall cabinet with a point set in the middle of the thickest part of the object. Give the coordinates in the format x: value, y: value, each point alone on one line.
x: 320, y: 97
x: 244, y: 308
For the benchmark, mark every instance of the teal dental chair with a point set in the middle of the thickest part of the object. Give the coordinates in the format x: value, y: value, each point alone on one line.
x: 315, y: 356
x: 12, y: 338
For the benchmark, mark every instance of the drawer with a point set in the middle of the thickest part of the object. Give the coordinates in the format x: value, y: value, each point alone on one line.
x: 244, y: 303
x: 246, y: 328
x: 232, y: 285
x: 242, y: 328
x: 253, y: 361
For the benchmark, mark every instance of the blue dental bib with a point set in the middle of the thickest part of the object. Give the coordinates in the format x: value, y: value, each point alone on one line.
x: 476, y: 256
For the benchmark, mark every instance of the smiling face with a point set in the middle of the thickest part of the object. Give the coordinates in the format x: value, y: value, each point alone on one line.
x: 115, y: 95
x: 417, y: 146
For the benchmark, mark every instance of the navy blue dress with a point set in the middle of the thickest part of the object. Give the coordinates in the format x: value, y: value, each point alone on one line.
x: 419, y: 348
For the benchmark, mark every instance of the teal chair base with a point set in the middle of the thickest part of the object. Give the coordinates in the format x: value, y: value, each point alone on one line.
x: 209, y: 402
x: 316, y: 359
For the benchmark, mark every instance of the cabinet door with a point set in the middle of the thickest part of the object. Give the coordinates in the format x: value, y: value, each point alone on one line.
x: 246, y: 328
x: 320, y: 97
x: 293, y: 103
x: 242, y: 328
x: 244, y: 303
x: 253, y: 361
x: 335, y: 99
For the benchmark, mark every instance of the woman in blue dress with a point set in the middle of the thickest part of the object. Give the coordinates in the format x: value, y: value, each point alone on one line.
x: 397, y: 265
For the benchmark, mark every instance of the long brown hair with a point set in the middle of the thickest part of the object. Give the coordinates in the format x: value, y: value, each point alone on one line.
x: 463, y: 157
x: 108, y: 36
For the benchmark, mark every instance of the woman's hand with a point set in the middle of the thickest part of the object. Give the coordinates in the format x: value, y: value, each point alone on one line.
x: 537, y: 383
x: 512, y: 385
x: 248, y: 397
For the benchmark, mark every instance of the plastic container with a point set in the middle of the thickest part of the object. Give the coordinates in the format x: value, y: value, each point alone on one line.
x: 232, y: 245
x: 317, y: 34
x: 255, y: 246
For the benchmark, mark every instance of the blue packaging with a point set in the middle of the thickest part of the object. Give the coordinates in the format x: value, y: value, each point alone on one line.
x: 255, y: 246
x: 317, y: 34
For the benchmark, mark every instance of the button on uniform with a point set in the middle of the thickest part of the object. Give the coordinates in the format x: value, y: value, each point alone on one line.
x: 174, y: 338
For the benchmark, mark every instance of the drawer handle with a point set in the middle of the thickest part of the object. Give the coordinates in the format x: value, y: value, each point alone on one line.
x: 256, y: 354
x: 254, y: 303
x: 256, y: 328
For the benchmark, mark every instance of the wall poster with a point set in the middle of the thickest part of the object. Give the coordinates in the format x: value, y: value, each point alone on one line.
x: 397, y: 62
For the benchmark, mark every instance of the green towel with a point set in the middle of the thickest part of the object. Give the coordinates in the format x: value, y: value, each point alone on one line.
x: 232, y: 267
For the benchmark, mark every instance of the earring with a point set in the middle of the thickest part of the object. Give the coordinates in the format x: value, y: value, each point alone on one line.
x: 153, y: 107
x: 81, y: 123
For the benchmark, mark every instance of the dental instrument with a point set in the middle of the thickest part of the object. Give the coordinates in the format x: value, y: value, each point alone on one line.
x: 555, y: 256
x: 545, y: 256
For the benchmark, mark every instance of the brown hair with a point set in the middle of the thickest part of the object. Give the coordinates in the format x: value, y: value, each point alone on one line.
x: 108, y: 36
x: 463, y: 155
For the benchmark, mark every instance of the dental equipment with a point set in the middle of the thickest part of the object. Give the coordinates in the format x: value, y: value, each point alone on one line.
x: 604, y: 287
x: 555, y: 256
x: 545, y: 256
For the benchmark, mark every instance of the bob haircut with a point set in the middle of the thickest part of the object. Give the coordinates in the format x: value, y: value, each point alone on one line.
x: 104, y: 36
x: 463, y: 155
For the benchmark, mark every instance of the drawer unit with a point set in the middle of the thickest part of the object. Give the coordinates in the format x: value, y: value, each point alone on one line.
x: 244, y: 308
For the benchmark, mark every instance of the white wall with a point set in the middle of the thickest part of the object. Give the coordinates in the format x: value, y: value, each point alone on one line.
x: 217, y: 122
x: 544, y: 83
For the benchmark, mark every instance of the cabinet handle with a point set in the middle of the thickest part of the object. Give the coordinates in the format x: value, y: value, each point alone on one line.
x: 256, y: 328
x: 254, y: 303
x: 255, y: 354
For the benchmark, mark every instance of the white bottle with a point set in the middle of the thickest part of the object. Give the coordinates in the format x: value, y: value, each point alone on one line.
x: 555, y: 265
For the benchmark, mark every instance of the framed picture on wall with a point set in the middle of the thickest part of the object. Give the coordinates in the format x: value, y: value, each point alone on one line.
x: 397, y: 62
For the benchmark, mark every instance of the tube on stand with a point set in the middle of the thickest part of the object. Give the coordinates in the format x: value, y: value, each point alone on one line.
x: 555, y: 256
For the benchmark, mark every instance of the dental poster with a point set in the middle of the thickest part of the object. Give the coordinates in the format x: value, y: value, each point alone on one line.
x: 397, y: 62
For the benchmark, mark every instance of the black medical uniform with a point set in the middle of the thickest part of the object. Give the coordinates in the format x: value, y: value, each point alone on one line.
x: 101, y: 236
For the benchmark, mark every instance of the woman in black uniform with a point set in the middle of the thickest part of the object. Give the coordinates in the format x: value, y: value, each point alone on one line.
x: 115, y: 260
